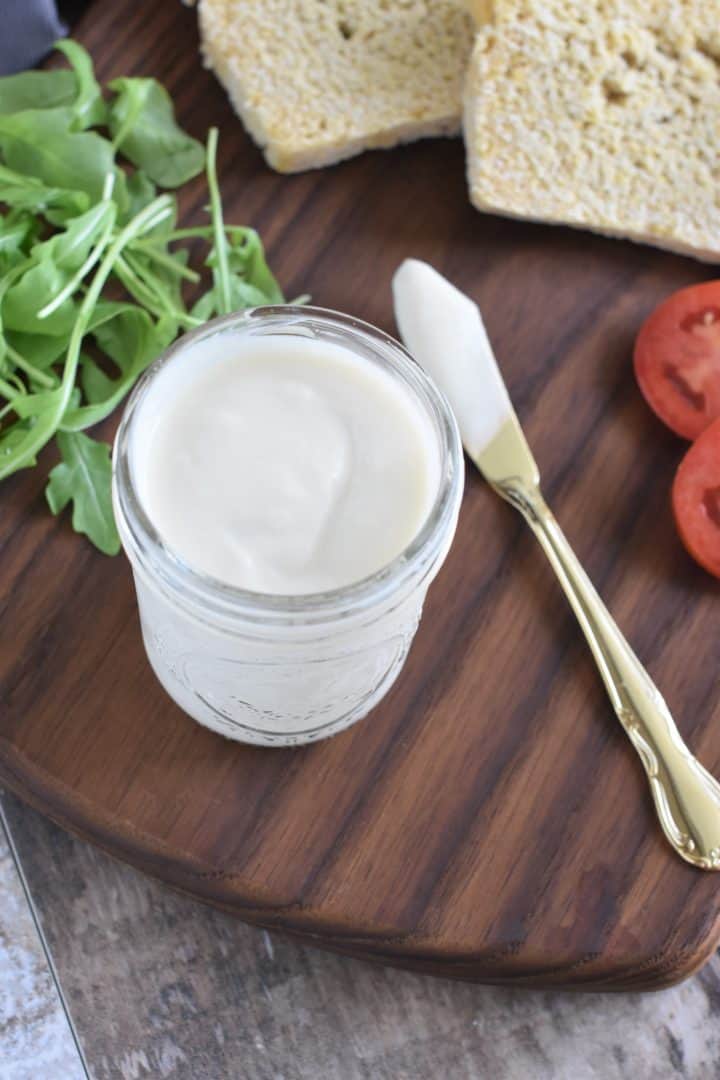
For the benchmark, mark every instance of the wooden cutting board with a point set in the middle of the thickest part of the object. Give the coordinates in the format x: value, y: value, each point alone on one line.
x: 488, y: 820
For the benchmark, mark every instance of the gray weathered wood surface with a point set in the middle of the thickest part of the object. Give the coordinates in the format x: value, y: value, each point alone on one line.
x: 35, y: 1037
x: 161, y: 987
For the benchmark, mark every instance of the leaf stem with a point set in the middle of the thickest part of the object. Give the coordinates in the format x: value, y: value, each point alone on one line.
x: 8, y: 391
x: 202, y: 232
x: 221, y: 275
x: 72, y: 286
x: 165, y: 259
x: 139, y: 288
x: 135, y: 227
x: 152, y: 281
x: 159, y: 216
x: 39, y: 376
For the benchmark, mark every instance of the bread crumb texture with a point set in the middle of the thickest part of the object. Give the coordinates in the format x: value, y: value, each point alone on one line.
x: 603, y: 114
x: 316, y: 81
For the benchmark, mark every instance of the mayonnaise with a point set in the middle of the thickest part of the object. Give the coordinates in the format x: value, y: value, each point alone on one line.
x: 444, y: 330
x: 283, y: 464
x: 286, y: 450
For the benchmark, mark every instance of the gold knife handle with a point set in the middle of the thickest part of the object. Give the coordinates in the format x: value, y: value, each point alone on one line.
x: 686, y: 796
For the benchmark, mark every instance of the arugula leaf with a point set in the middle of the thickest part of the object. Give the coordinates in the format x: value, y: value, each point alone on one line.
x: 248, y: 279
x: 69, y: 249
x: 29, y: 406
x: 246, y: 256
x: 245, y: 295
x: 166, y: 281
x: 28, y: 193
x: 37, y: 287
x: 132, y: 340
x: 140, y: 190
x: 37, y: 90
x: 56, y: 402
x: 88, y: 107
x: 76, y: 90
x: 41, y: 350
x: 19, y: 444
x: 84, y: 477
x: 241, y: 276
x: 241, y: 294
x: 78, y: 249
x: 11, y: 258
x: 16, y: 230
x: 121, y: 195
x: 73, y: 208
x: 142, y: 123
x: 205, y: 307
x: 35, y: 143
x: 12, y: 439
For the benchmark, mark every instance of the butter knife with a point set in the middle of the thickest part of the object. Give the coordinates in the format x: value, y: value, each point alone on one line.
x: 444, y: 331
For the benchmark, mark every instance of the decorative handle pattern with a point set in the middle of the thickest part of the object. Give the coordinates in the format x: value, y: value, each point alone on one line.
x: 686, y: 796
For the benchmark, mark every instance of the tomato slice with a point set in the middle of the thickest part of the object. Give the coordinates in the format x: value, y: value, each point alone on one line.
x: 677, y: 359
x: 696, y: 499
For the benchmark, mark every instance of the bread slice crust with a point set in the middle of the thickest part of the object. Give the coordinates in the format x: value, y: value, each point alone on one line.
x: 603, y: 115
x: 317, y: 81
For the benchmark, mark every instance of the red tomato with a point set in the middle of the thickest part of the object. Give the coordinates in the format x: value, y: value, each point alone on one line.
x: 677, y: 359
x: 696, y: 499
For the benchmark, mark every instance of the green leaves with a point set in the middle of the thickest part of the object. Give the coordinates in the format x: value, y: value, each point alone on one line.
x: 41, y: 145
x: 36, y: 90
x: 43, y: 115
x: 140, y: 191
x: 241, y: 276
x: 76, y: 90
x: 79, y: 228
x: 88, y: 106
x: 24, y: 192
x: 54, y: 261
x: 142, y: 123
x: 83, y: 477
x: 247, y: 259
x: 39, y: 349
x: 37, y: 287
x: 17, y: 230
x: 132, y: 340
x: 244, y: 281
x: 70, y: 248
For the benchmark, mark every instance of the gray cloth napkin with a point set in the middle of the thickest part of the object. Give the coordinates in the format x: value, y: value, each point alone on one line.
x: 29, y: 27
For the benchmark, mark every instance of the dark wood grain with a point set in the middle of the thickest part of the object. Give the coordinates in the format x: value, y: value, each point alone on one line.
x: 489, y: 819
x: 159, y: 986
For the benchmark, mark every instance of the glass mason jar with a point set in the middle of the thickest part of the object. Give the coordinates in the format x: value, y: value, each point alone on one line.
x: 284, y: 670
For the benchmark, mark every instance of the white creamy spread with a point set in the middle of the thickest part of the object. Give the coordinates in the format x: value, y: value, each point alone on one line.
x: 282, y: 464
x: 444, y: 331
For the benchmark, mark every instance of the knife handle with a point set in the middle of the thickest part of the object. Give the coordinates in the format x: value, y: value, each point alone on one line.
x: 686, y: 796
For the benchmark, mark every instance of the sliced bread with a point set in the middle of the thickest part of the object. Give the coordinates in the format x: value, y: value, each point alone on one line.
x: 603, y: 114
x: 316, y: 81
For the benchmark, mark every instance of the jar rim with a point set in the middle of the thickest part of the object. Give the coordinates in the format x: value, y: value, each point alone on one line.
x: 147, y: 549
